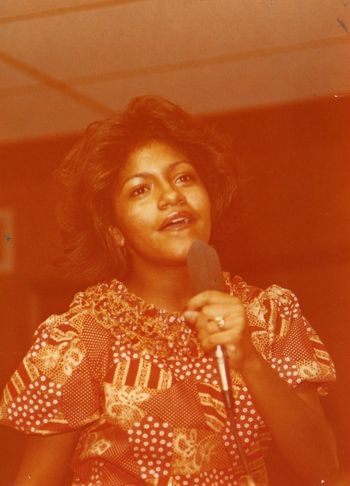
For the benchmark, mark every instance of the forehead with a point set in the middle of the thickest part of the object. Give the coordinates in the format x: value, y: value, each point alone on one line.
x: 153, y: 156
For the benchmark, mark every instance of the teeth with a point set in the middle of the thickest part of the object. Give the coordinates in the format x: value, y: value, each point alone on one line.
x: 180, y: 220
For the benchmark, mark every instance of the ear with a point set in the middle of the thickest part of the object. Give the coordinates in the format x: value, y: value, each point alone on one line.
x: 117, y: 235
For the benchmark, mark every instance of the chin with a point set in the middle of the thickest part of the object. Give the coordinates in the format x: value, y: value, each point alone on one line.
x: 176, y: 252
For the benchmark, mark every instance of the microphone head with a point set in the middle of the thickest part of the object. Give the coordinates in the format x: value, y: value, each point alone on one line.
x: 204, y: 268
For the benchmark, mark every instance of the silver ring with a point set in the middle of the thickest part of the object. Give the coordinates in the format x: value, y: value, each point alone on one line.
x: 219, y: 321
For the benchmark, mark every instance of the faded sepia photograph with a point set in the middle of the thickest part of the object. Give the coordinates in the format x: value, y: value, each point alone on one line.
x: 175, y: 242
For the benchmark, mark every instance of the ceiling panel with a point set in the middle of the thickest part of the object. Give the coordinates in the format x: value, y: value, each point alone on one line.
x: 15, y: 10
x: 156, y: 32
x: 248, y: 83
x: 209, y: 55
x: 41, y: 114
x: 12, y: 78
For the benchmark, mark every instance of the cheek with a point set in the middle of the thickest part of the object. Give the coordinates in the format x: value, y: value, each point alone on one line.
x: 134, y: 220
x: 201, y: 201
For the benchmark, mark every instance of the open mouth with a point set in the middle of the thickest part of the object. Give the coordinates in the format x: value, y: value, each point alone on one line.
x: 177, y: 221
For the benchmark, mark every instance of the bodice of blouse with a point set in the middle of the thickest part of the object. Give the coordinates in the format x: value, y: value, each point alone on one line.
x: 147, y: 399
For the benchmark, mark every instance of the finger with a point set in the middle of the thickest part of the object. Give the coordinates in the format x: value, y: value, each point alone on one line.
x: 199, y: 321
x: 218, y: 323
x: 225, y: 310
x: 228, y: 337
x: 210, y: 313
x: 210, y: 327
x: 210, y: 297
x: 190, y: 316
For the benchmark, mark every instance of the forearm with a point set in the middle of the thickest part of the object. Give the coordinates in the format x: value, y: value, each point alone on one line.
x: 46, y: 460
x: 300, y: 431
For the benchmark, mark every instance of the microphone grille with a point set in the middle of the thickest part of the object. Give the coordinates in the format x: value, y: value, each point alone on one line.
x: 204, y: 267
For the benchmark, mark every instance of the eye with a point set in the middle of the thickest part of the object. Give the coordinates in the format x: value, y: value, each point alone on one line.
x: 184, y: 178
x: 139, y: 191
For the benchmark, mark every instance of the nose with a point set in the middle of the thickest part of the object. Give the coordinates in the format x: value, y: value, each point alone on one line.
x: 170, y: 195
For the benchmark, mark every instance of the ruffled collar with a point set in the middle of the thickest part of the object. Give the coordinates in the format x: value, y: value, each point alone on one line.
x: 143, y: 324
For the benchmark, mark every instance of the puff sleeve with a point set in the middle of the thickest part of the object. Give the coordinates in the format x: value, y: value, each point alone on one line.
x: 287, y: 341
x: 56, y: 388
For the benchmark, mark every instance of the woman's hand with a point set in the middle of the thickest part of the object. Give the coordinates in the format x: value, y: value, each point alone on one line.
x: 221, y: 319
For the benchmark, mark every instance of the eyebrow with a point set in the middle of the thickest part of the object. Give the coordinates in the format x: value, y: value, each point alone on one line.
x: 146, y: 174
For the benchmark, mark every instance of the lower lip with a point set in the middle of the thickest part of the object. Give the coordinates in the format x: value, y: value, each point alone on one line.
x: 177, y: 227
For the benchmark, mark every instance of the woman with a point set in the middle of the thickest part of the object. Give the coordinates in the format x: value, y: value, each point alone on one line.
x: 125, y: 381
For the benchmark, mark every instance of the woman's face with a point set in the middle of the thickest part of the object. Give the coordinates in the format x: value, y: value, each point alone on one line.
x: 161, y: 205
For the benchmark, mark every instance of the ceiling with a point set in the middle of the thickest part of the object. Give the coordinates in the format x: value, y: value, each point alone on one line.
x: 64, y: 63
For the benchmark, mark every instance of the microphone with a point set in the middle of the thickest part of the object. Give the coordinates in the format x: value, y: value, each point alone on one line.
x: 205, y: 273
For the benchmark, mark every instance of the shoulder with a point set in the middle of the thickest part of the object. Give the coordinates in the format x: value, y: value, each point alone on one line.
x: 86, y: 320
x: 283, y: 335
x: 250, y: 294
x: 274, y: 309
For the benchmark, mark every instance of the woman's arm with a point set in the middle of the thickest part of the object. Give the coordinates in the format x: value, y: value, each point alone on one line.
x: 46, y: 460
x: 295, y: 417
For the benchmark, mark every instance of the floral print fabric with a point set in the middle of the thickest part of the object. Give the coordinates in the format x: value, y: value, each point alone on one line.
x: 148, y: 400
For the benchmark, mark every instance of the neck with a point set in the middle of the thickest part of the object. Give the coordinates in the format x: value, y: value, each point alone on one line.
x: 167, y: 287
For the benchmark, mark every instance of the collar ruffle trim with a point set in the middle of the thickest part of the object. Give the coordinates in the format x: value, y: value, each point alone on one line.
x: 128, y: 317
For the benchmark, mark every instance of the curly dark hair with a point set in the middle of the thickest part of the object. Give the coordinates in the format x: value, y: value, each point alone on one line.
x: 89, y: 172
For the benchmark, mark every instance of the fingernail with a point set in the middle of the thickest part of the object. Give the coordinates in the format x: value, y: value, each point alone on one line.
x: 190, y: 315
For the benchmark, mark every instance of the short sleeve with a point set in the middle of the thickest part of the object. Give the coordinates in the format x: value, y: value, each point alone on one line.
x: 54, y: 389
x: 287, y: 341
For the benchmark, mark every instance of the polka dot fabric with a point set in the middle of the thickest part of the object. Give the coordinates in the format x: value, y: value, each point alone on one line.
x: 147, y: 399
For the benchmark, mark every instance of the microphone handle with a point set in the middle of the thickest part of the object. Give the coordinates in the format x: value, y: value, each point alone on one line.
x: 206, y: 274
x: 224, y: 373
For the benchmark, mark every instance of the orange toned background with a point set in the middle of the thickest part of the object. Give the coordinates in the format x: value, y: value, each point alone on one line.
x: 295, y: 231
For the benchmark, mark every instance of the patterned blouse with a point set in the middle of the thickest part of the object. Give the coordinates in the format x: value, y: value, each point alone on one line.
x: 133, y: 378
